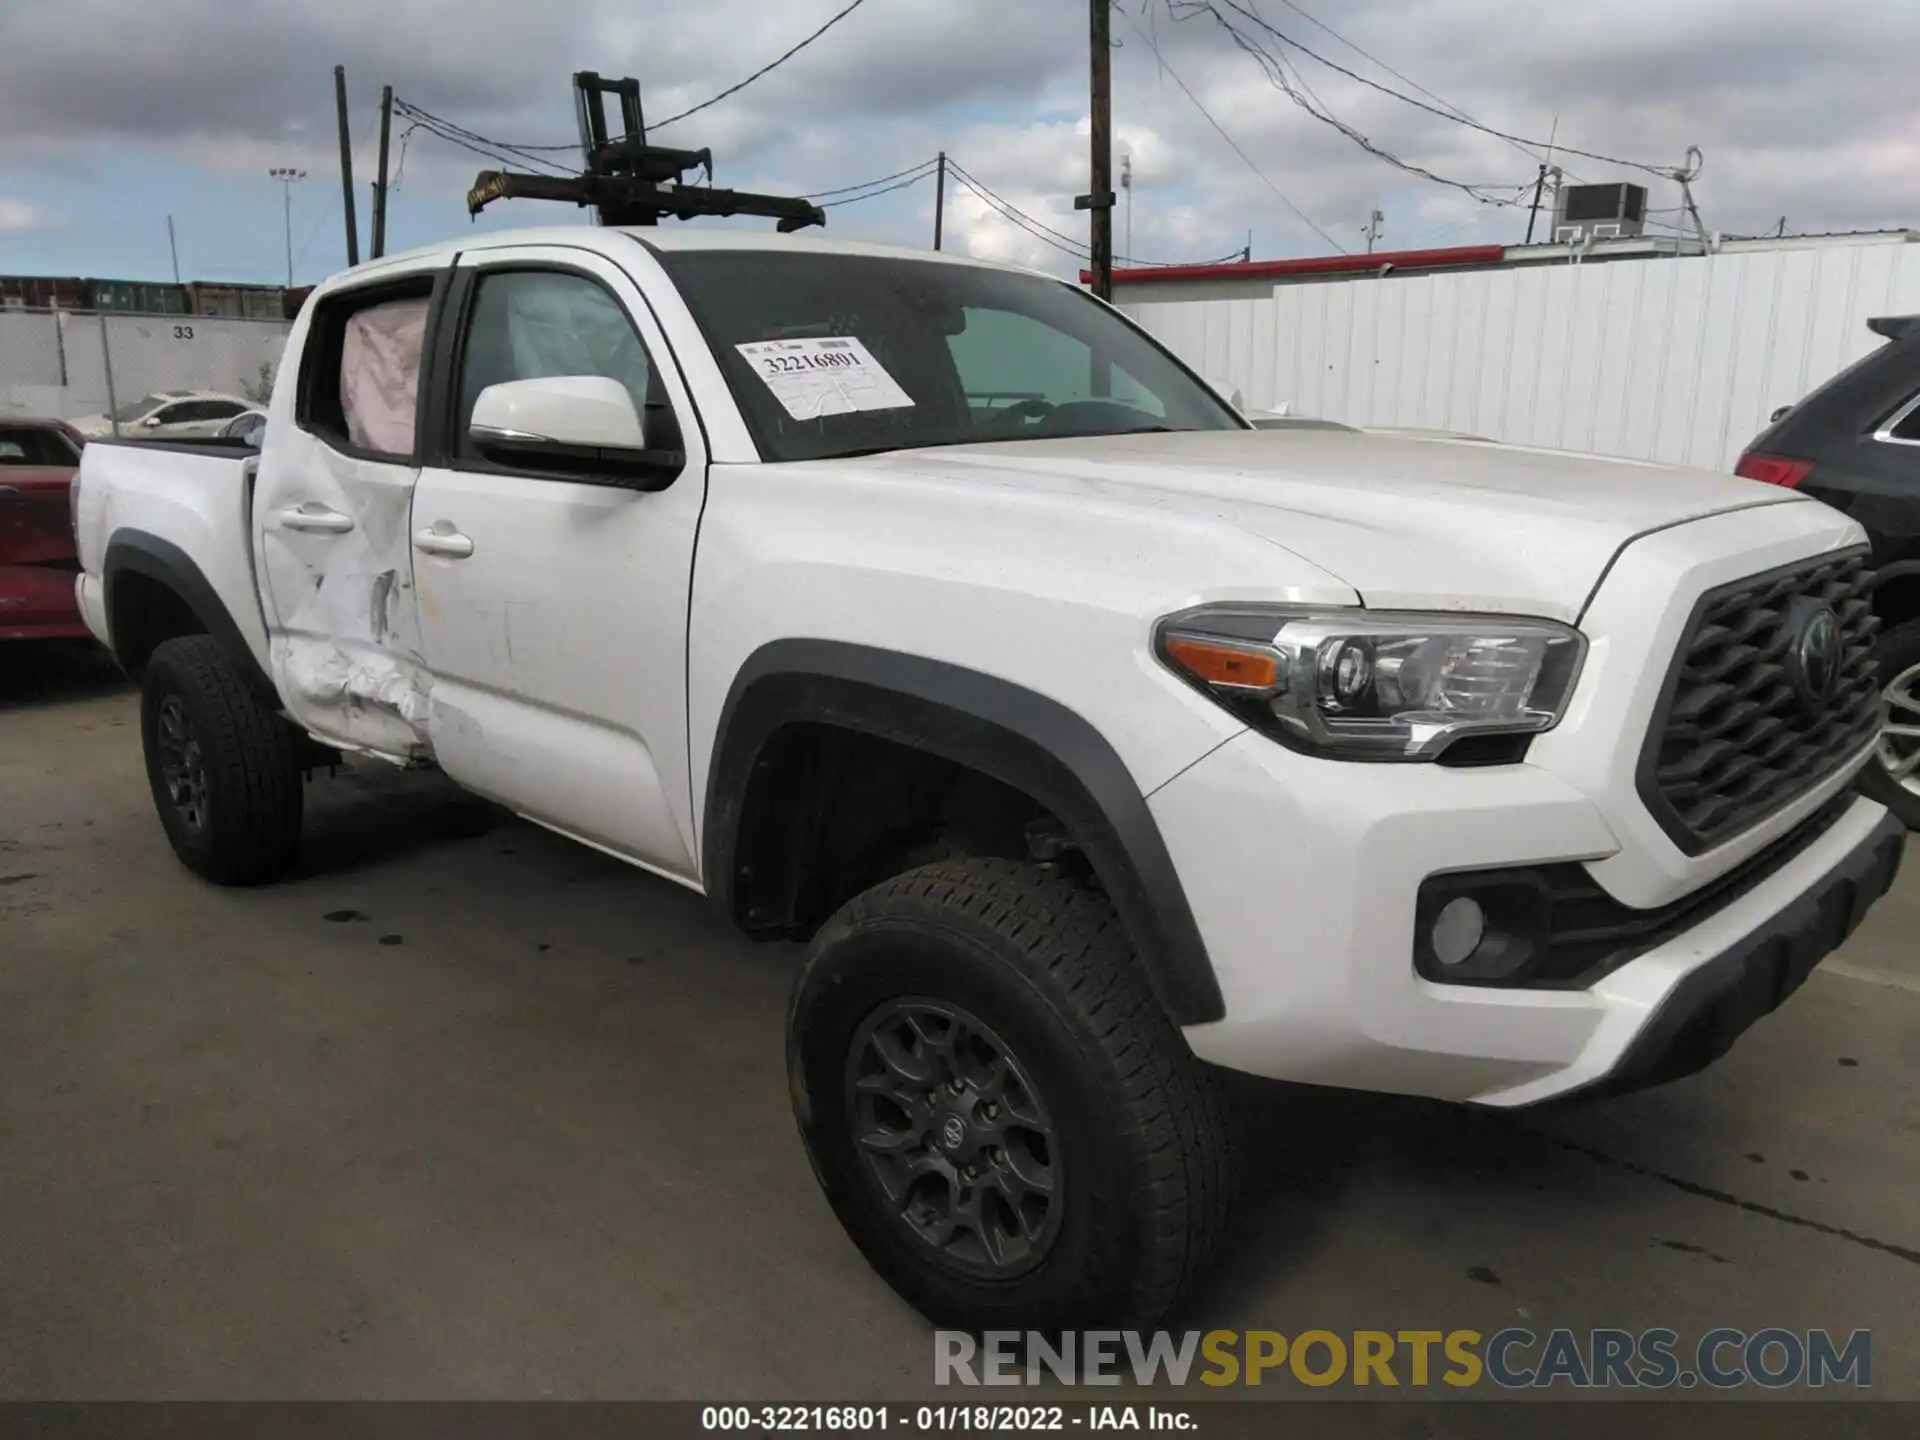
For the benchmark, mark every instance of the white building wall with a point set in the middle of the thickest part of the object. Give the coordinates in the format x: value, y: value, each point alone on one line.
x: 1676, y: 359
x: 55, y: 363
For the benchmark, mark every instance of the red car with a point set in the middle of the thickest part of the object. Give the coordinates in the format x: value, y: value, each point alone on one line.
x: 38, y: 460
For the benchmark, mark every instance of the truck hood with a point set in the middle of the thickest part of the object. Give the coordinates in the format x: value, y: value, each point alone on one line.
x: 1409, y: 523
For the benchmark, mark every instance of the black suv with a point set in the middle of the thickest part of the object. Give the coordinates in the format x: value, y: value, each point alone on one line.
x: 1855, y: 443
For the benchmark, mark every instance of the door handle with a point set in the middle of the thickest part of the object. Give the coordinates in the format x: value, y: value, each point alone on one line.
x: 448, y: 542
x: 315, y: 520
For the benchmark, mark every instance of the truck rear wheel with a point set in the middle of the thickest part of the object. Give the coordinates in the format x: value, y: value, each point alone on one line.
x: 1893, y: 776
x: 224, y: 769
x: 1000, y: 1113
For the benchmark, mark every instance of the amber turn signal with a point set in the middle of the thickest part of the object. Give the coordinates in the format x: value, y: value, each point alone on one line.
x: 1217, y: 664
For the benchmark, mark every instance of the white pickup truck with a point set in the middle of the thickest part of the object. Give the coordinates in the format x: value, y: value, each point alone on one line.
x: 930, y: 611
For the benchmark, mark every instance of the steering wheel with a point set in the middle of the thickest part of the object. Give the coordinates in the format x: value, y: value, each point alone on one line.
x: 1034, y: 409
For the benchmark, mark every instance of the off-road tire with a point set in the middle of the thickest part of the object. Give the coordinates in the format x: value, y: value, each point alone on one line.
x: 1144, y: 1160
x: 1897, y: 652
x: 243, y: 827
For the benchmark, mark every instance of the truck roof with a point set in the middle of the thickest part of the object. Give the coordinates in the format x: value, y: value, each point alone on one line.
x: 662, y: 238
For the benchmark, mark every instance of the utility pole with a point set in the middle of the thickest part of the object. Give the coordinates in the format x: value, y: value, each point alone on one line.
x: 1539, y: 185
x: 939, y: 199
x: 1372, y: 229
x: 1100, y: 199
x: 379, y: 246
x: 346, y: 168
x: 286, y: 175
x: 173, y: 249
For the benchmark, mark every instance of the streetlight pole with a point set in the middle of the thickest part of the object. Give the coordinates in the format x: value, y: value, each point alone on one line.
x: 286, y: 175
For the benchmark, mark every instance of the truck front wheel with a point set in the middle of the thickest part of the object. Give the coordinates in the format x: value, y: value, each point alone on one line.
x: 1893, y: 778
x: 224, y: 769
x: 1001, y: 1115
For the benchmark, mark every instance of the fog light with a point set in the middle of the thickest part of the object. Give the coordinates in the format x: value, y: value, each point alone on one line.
x: 1457, y: 930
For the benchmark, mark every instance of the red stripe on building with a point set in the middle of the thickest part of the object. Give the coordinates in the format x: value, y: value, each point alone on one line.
x: 1318, y: 265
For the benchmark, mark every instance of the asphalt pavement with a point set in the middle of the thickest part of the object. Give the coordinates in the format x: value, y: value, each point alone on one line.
x: 466, y: 1110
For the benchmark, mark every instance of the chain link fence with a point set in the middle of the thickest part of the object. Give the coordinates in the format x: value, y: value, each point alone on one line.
x: 78, y: 365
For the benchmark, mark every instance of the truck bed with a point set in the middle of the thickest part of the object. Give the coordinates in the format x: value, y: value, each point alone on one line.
x: 180, y: 503
x: 214, y: 445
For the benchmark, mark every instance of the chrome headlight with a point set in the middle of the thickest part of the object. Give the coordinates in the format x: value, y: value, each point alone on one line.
x: 1376, y: 685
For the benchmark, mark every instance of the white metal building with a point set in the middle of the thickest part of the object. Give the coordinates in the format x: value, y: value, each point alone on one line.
x: 1640, y: 347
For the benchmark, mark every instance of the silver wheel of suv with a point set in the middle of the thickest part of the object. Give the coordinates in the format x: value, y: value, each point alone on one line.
x: 1899, y: 752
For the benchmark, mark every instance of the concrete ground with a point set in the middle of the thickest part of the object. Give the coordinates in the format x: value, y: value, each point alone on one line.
x: 468, y: 1111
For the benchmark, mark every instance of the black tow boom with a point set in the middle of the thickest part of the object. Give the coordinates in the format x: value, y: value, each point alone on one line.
x: 629, y: 182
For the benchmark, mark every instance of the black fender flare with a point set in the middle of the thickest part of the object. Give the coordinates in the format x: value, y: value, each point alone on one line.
x: 135, y: 552
x: 1898, y: 570
x: 1003, y: 730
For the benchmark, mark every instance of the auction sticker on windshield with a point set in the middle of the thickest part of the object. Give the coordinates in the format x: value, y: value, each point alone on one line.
x: 817, y: 377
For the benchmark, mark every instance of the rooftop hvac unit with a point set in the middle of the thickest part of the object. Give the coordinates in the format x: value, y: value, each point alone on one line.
x: 1602, y: 212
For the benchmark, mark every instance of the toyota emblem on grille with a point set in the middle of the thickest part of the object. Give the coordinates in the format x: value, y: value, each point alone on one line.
x: 1814, y: 655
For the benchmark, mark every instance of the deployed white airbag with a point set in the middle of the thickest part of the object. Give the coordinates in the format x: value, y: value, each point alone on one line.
x: 380, y: 374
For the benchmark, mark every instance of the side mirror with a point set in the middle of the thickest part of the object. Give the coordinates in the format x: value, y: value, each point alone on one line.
x: 1778, y: 415
x: 1228, y: 392
x: 150, y: 423
x: 583, y: 425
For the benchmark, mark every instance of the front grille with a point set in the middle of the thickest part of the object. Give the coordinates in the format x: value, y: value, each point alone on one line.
x: 1735, y: 737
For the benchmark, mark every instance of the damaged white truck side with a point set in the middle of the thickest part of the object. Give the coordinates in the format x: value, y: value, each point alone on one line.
x: 932, y: 613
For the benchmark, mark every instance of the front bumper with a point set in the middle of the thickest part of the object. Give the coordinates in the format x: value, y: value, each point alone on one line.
x: 1718, y: 1000
x: 1302, y: 874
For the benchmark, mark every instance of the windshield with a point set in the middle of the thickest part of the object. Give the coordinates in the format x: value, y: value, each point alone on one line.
x: 833, y: 355
x: 139, y: 407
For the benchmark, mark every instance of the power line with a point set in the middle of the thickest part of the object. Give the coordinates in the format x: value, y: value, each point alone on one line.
x: 528, y: 151
x: 1041, y: 231
x: 773, y: 64
x: 1405, y: 80
x: 1455, y: 116
x: 996, y: 201
x: 1285, y: 80
x: 472, y: 139
x: 480, y: 150
x: 923, y: 166
x: 914, y: 179
x: 1234, y: 145
x: 400, y: 165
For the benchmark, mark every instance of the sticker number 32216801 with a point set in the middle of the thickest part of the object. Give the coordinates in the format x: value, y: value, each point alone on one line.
x: 813, y: 378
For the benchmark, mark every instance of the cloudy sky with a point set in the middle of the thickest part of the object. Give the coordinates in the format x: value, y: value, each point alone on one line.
x: 117, y: 113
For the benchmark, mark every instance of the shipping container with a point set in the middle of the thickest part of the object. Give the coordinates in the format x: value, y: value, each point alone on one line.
x: 43, y: 292
x: 136, y: 297
x: 239, y: 302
